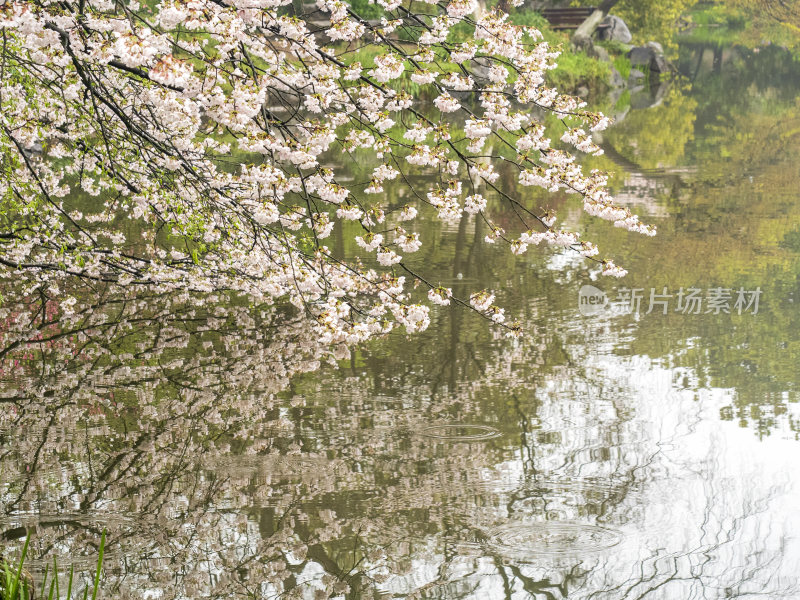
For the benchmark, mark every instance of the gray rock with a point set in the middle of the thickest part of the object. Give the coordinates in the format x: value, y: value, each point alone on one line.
x: 658, y: 48
x: 616, y: 30
x: 649, y: 96
x: 616, y: 80
x: 35, y: 147
x: 641, y: 55
x: 659, y: 64
x: 635, y: 75
x: 599, y: 53
x: 650, y: 55
x: 636, y: 89
x: 582, y: 92
x: 659, y: 92
x: 581, y: 42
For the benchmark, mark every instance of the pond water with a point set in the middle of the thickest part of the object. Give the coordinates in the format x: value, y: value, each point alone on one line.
x: 641, y: 440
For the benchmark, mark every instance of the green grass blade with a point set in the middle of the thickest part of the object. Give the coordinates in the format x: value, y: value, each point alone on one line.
x: 99, y: 565
x: 44, y: 579
x: 8, y: 577
x: 69, y: 584
x: 15, y: 583
x: 55, y: 574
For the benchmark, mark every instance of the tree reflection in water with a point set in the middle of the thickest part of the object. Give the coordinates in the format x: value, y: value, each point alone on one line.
x: 175, y: 425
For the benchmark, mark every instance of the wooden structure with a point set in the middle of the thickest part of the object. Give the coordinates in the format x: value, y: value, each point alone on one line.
x: 567, y: 18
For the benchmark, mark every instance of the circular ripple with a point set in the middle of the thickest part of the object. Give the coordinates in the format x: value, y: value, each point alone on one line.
x: 521, y: 540
x: 459, y: 432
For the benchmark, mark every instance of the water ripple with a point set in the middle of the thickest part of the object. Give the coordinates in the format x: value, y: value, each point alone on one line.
x: 460, y: 432
x: 522, y: 540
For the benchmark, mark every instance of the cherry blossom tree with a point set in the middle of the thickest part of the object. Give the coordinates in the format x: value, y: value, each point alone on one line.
x: 182, y: 146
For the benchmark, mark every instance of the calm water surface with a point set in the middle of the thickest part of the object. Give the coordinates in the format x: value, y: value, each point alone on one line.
x: 612, y: 453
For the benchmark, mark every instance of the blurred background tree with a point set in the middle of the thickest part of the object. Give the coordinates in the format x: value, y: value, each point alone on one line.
x: 649, y: 19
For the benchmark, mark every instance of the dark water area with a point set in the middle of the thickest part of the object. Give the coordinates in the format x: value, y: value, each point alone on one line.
x: 640, y: 440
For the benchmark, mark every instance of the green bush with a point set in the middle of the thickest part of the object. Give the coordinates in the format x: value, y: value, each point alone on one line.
x: 576, y: 68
